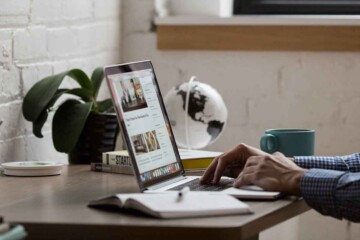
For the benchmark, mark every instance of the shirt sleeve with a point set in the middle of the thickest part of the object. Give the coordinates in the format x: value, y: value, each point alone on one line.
x: 332, y: 193
x: 348, y: 163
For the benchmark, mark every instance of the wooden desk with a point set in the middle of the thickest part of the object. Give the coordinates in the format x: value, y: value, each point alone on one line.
x: 56, y: 208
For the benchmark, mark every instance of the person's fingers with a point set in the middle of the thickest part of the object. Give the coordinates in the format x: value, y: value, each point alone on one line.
x: 243, y: 179
x: 209, y: 172
x: 223, y: 161
x: 252, y: 151
x: 237, y: 157
x: 219, y: 170
x: 249, y: 168
x: 248, y: 174
x: 278, y: 154
x: 252, y: 161
x: 232, y: 171
x: 271, y: 184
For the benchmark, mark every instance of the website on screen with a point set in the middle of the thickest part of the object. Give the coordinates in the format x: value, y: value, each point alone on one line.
x: 137, y: 99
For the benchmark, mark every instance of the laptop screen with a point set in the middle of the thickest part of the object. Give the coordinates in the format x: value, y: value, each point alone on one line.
x: 144, y: 122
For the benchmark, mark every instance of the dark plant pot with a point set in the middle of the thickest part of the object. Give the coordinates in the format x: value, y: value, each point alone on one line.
x: 98, y: 136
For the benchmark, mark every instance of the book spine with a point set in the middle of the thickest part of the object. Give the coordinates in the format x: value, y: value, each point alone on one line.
x: 116, y: 159
x: 196, y: 163
x: 101, y: 167
x: 4, y: 227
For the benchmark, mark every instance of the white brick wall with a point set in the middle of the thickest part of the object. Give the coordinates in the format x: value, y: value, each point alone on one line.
x: 106, y: 9
x: 15, y: 7
x: 43, y: 37
x: 13, y: 147
x: 30, y: 43
x: 56, y: 39
x: 79, y: 9
x: 46, y: 11
x: 32, y: 73
x: 11, y: 89
x: 5, y: 48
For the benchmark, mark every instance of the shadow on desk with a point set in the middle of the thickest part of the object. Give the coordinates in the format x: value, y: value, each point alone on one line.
x: 56, y: 208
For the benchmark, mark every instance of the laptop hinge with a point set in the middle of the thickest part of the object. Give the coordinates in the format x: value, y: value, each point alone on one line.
x: 166, y: 183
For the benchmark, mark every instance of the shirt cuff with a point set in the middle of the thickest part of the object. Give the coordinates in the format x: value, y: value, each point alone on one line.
x: 317, y: 187
x: 334, y: 163
x: 341, y: 163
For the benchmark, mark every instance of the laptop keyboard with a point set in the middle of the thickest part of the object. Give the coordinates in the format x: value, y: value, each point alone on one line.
x: 196, y: 186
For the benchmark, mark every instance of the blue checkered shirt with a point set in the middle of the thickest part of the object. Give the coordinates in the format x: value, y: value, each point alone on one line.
x: 332, y: 185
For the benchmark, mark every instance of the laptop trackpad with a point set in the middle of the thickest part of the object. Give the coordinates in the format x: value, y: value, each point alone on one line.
x: 251, y: 192
x: 252, y: 188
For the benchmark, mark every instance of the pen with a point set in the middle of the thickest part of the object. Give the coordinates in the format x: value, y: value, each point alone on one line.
x: 183, y: 191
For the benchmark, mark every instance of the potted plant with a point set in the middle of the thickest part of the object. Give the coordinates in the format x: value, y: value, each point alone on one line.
x: 82, y: 126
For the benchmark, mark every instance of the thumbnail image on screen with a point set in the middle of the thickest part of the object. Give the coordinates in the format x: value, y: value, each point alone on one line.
x: 132, y: 95
x: 145, y: 142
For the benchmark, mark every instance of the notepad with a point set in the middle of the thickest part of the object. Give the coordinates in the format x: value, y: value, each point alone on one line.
x: 169, y: 205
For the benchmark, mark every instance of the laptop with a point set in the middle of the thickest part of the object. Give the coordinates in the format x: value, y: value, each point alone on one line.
x: 147, y: 132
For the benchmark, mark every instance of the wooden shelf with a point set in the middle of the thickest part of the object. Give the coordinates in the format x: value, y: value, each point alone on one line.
x: 269, y: 33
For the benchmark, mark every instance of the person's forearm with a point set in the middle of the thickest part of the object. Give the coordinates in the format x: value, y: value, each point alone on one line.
x: 332, y: 193
x: 348, y: 163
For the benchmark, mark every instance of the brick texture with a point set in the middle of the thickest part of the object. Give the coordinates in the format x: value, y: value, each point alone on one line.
x: 30, y: 43
x: 43, y: 37
x: 15, y: 7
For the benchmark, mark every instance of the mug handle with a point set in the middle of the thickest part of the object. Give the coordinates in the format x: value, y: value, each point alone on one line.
x: 269, y: 143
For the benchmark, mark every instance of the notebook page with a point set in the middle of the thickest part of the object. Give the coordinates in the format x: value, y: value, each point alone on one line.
x: 192, y: 204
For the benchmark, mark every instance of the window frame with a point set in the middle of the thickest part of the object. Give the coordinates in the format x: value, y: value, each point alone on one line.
x: 342, y: 7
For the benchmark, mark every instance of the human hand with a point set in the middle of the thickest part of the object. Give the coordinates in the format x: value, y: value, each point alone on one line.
x: 230, y: 163
x: 272, y: 173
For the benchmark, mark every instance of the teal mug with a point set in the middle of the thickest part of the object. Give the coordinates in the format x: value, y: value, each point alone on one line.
x: 290, y: 142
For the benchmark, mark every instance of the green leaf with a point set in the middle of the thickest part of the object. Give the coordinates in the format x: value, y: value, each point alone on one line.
x: 39, y: 96
x: 84, y: 94
x: 68, y: 123
x: 57, y: 95
x: 97, y: 78
x: 39, y: 123
x: 105, y: 105
x: 81, y: 77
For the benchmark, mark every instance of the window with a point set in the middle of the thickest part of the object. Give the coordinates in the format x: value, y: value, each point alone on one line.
x: 296, y: 6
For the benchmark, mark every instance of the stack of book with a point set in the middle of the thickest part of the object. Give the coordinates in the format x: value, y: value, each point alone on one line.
x: 119, y: 161
x: 114, y: 162
x: 11, y: 232
x: 197, y: 159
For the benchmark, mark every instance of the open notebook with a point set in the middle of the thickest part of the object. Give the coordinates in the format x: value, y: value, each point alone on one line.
x: 170, y: 205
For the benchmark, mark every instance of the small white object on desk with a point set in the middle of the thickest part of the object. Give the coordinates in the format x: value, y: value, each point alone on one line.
x: 32, y: 168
